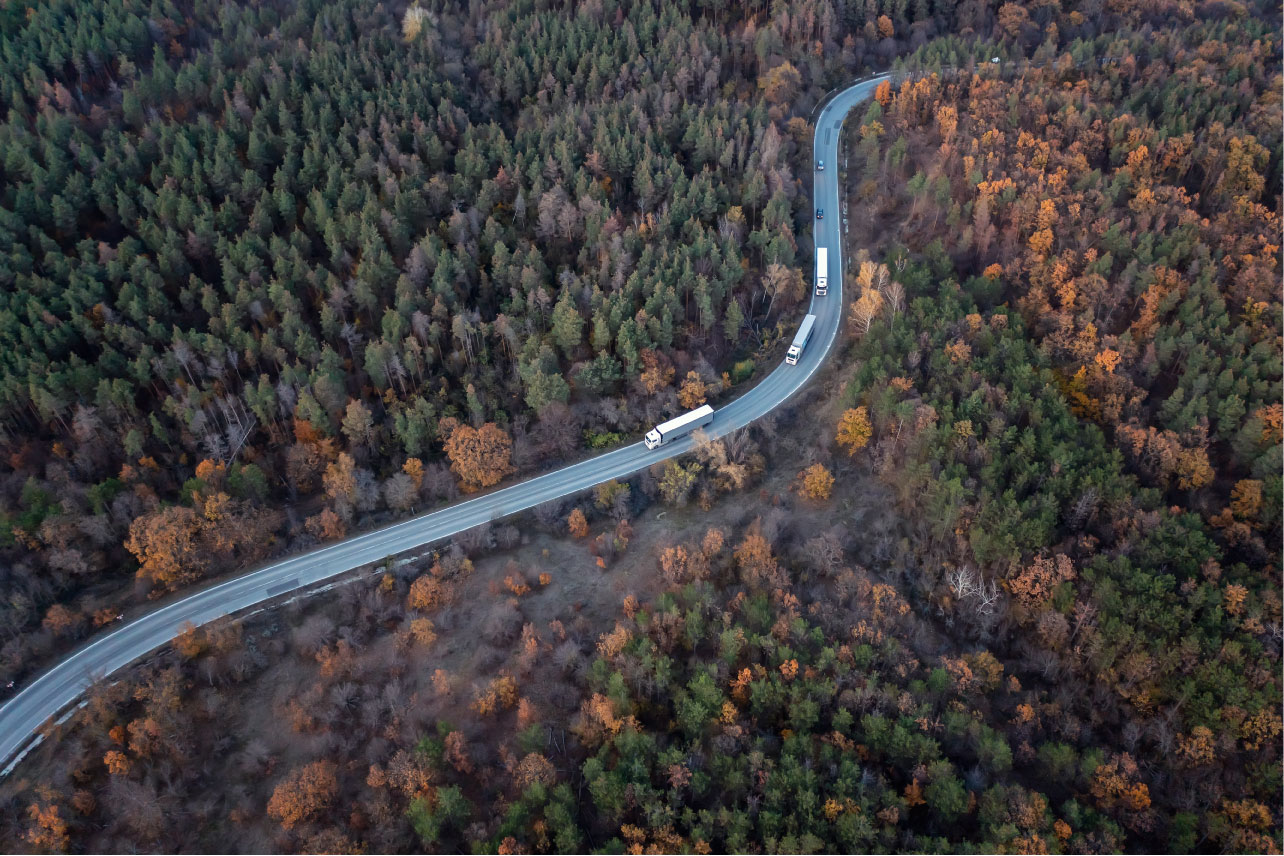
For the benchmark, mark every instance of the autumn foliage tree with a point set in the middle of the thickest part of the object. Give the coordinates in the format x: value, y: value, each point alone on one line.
x: 427, y: 593
x: 61, y: 621
x: 758, y: 566
x: 657, y: 371
x: 167, y: 544
x: 414, y: 468
x: 177, y: 544
x: 117, y: 762
x: 577, y: 523
x: 780, y: 83
x: 1115, y: 785
x: 865, y: 311
x: 48, y: 830
x: 854, y: 429
x: 817, y: 482
x: 1033, y: 585
x: 533, y: 769
x: 340, y: 481
x: 304, y: 794
x: 481, y: 457
x: 673, y: 563
x: 326, y: 525
x: 693, y: 392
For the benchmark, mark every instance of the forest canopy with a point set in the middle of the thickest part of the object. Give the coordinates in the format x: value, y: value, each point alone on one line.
x: 1005, y: 580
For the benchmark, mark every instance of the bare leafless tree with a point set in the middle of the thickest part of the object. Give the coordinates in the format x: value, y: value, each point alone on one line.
x: 971, y: 587
x: 503, y: 622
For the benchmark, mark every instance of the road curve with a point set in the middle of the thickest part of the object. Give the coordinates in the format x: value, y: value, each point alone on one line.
x: 23, y: 715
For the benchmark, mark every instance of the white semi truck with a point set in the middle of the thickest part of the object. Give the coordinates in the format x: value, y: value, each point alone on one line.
x: 678, y: 426
x: 822, y: 270
x: 801, y: 338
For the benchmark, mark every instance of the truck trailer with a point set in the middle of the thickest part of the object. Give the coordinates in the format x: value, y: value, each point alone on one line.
x: 801, y: 338
x: 822, y: 270
x: 678, y: 426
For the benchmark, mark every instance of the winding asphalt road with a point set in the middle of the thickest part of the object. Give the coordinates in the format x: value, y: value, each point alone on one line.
x: 23, y: 715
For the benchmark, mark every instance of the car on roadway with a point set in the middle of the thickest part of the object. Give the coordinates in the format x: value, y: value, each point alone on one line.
x: 820, y: 166
x: 820, y: 213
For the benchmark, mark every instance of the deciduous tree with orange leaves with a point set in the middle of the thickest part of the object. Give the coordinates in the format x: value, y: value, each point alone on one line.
x: 326, y: 525
x: 758, y: 567
x: 673, y: 563
x: 1115, y: 785
x: 117, y: 762
x: 48, y: 830
x: 62, y: 621
x: 428, y: 593
x: 577, y: 523
x: 657, y: 371
x: 414, y: 468
x: 854, y: 429
x: 817, y: 482
x: 304, y: 794
x: 534, y: 768
x: 481, y: 457
x: 693, y: 392
x: 340, y: 482
x: 1036, y: 582
x: 167, y: 544
x: 177, y: 544
x: 781, y: 83
x: 883, y: 93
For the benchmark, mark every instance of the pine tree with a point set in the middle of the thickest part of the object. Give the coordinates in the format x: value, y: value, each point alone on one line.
x: 567, y: 325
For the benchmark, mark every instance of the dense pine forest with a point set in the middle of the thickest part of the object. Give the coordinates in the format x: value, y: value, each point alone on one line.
x: 1005, y: 580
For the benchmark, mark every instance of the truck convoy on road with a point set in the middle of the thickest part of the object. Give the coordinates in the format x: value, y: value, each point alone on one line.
x: 822, y: 266
x: 678, y: 426
x: 801, y: 338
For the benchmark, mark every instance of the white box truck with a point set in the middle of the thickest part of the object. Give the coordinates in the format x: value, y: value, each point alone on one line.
x: 801, y: 338
x: 678, y: 426
x: 822, y: 269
